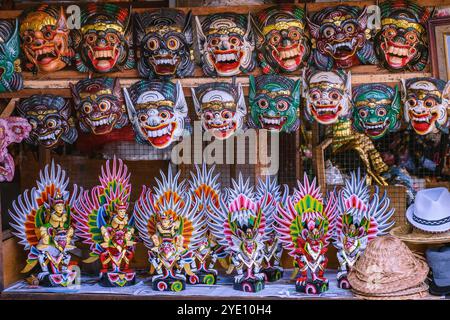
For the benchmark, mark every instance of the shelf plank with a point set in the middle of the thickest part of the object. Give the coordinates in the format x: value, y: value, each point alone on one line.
x: 201, y: 11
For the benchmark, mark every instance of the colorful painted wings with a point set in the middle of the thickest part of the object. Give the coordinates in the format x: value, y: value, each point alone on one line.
x: 369, y: 215
x: 241, y: 215
x: 306, y: 215
x: 93, y: 208
x: 170, y: 198
x: 30, y: 209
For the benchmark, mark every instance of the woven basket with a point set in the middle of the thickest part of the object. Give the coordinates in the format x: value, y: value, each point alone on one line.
x: 387, y: 266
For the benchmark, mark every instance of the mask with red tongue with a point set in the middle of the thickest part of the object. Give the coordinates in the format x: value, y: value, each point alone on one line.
x: 340, y: 37
x: 283, y: 44
x: 226, y: 44
x: 220, y: 107
x: 158, y: 112
x: 104, y: 43
x: 425, y: 104
x: 327, y: 94
x: 45, y: 39
x: 401, y: 43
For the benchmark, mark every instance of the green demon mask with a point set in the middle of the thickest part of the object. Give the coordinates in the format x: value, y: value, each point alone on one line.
x: 376, y: 109
x: 274, y: 102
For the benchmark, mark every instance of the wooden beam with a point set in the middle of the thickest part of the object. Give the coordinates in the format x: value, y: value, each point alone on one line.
x: 244, y: 9
x: 9, y: 108
x: 319, y: 163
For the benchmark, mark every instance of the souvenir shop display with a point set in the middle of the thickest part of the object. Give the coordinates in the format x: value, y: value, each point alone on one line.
x: 11, y: 77
x: 171, y: 227
x: 273, y: 248
x: 340, y: 38
x: 439, y: 261
x: 104, y: 43
x: 274, y: 103
x: 328, y: 101
x: 389, y: 270
x: 305, y: 225
x: 360, y: 219
x: 401, y: 43
x: 203, y: 184
x: 283, y: 45
x: 221, y: 108
x: 42, y: 221
x: 104, y: 224
x: 45, y: 38
x: 99, y: 105
x: 426, y: 101
x: 51, y: 120
x: 376, y: 109
x: 242, y: 224
x: 226, y: 44
x: 164, y: 40
x: 158, y: 112
x: 12, y: 130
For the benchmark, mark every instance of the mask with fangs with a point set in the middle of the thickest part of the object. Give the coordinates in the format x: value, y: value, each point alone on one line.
x: 274, y: 103
x: 376, y: 109
x: 46, y: 43
x: 340, y: 38
x: 50, y: 119
x: 164, y: 39
x: 99, y: 105
x: 221, y: 108
x: 226, y: 44
x: 283, y: 43
x: 401, y: 43
x: 426, y: 101
x: 104, y: 43
x: 327, y: 94
x: 158, y: 111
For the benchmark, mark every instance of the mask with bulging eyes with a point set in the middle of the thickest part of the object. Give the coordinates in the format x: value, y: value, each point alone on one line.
x: 340, y: 38
x: 401, y: 43
x: 226, y: 44
x: 376, y: 109
x: 164, y: 39
x: 220, y: 107
x: 274, y: 103
x: 99, y: 105
x: 46, y: 43
x: 283, y: 43
x: 50, y: 118
x: 327, y: 94
x: 158, y: 111
x: 104, y: 43
x: 425, y: 104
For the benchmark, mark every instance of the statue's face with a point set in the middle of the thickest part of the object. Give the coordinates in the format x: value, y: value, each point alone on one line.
x: 122, y: 213
x: 59, y: 208
x: 166, y: 222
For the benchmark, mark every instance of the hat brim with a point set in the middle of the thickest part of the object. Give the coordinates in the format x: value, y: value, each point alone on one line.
x: 414, y: 292
x: 409, y: 234
x: 438, y: 228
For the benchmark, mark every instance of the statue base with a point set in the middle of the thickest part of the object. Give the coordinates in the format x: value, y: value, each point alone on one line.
x: 202, y: 278
x: 312, y: 287
x: 168, y: 284
x: 249, y: 285
x: 273, y: 274
x: 117, y: 279
x: 63, y: 279
x: 343, y: 282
